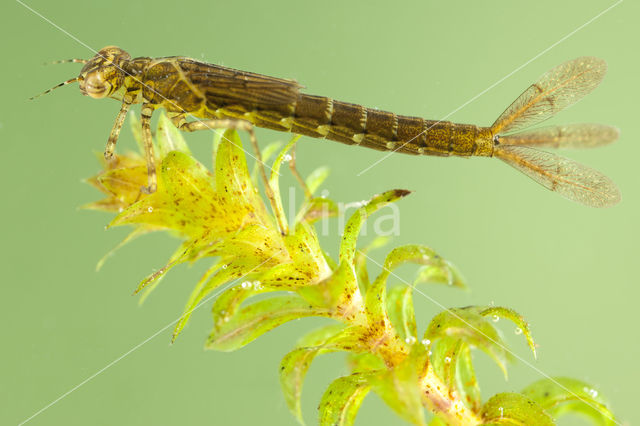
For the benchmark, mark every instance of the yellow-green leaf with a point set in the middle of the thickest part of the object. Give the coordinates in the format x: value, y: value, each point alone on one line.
x: 227, y: 304
x: 316, y: 178
x: 274, y: 179
x: 376, y: 294
x: 355, y: 222
x: 400, y: 387
x: 401, y: 313
x: 562, y: 395
x: 338, y: 291
x: 267, y: 153
x: 255, y: 319
x: 497, y: 312
x: 470, y: 327
x: 364, y: 362
x: 342, y: 399
x: 169, y: 138
x: 316, y: 209
x: 295, y: 364
x: 514, y: 409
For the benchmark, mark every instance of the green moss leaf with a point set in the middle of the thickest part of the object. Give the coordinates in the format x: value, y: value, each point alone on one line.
x: 274, y: 179
x: 255, y: 319
x: 342, y: 399
x: 375, y: 300
x: 361, y: 261
x: 316, y: 178
x: 442, y: 272
x: 467, y: 325
x: 237, y: 196
x: 437, y: 421
x: 355, y: 222
x: 451, y: 360
x: 169, y: 138
x: 364, y: 362
x: 320, y: 335
x: 401, y: 313
x: 267, y: 153
x: 228, y: 303
x: 400, y: 386
x: 514, y: 409
x: 303, y: 246
x: 562, y: 395
x: 339, y: 291
x: 316, y: 209
x: 466, y: 382
x: 295, y: 364
x: 497, y: 312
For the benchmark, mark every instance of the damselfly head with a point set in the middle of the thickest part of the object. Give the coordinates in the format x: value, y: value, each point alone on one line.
x: 103, y: 74
x: 100, y: 76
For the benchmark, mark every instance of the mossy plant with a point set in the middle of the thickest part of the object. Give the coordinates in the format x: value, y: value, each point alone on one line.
x: 221, y: 218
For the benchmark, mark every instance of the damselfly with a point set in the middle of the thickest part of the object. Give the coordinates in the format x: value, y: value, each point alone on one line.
x: 223, y: 97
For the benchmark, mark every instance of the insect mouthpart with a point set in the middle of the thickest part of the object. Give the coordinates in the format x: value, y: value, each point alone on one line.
x: 94, y: 85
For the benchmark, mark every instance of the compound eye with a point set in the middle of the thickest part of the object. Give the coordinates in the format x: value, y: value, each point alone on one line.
x: 96, y: 87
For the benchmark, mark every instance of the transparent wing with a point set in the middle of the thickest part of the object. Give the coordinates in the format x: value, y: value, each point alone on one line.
x: 568, y: 178
x: 557, y: 89
x: 227, y: 86
x: 583, y: 135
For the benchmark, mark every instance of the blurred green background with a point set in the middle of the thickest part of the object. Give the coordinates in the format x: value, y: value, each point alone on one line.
x: 569, y: 269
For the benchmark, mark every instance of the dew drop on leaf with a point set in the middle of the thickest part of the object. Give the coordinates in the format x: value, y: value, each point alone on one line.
x: 592, y: 392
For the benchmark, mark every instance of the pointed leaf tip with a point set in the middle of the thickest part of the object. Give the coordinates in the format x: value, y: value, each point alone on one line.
x: 562, y: 395
x: 342, y: 399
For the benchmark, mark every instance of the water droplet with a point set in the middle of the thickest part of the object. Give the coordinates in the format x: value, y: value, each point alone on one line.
x: 120, y: 209
x: 429, y: 353
x: 410, y: 340
x: 592, y: 392
x: 257, y: 285
x: 501, y: 411
x: 425, y: 342
x: 447, y: 360
x: 495, y: 318
x: 287, y: 158
x: 224, y: 266
x: 150, y: 209
x: 518, y: 330
x: 246, y: 284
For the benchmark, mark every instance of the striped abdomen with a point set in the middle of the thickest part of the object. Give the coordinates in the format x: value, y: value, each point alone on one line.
x: 325, y: 118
